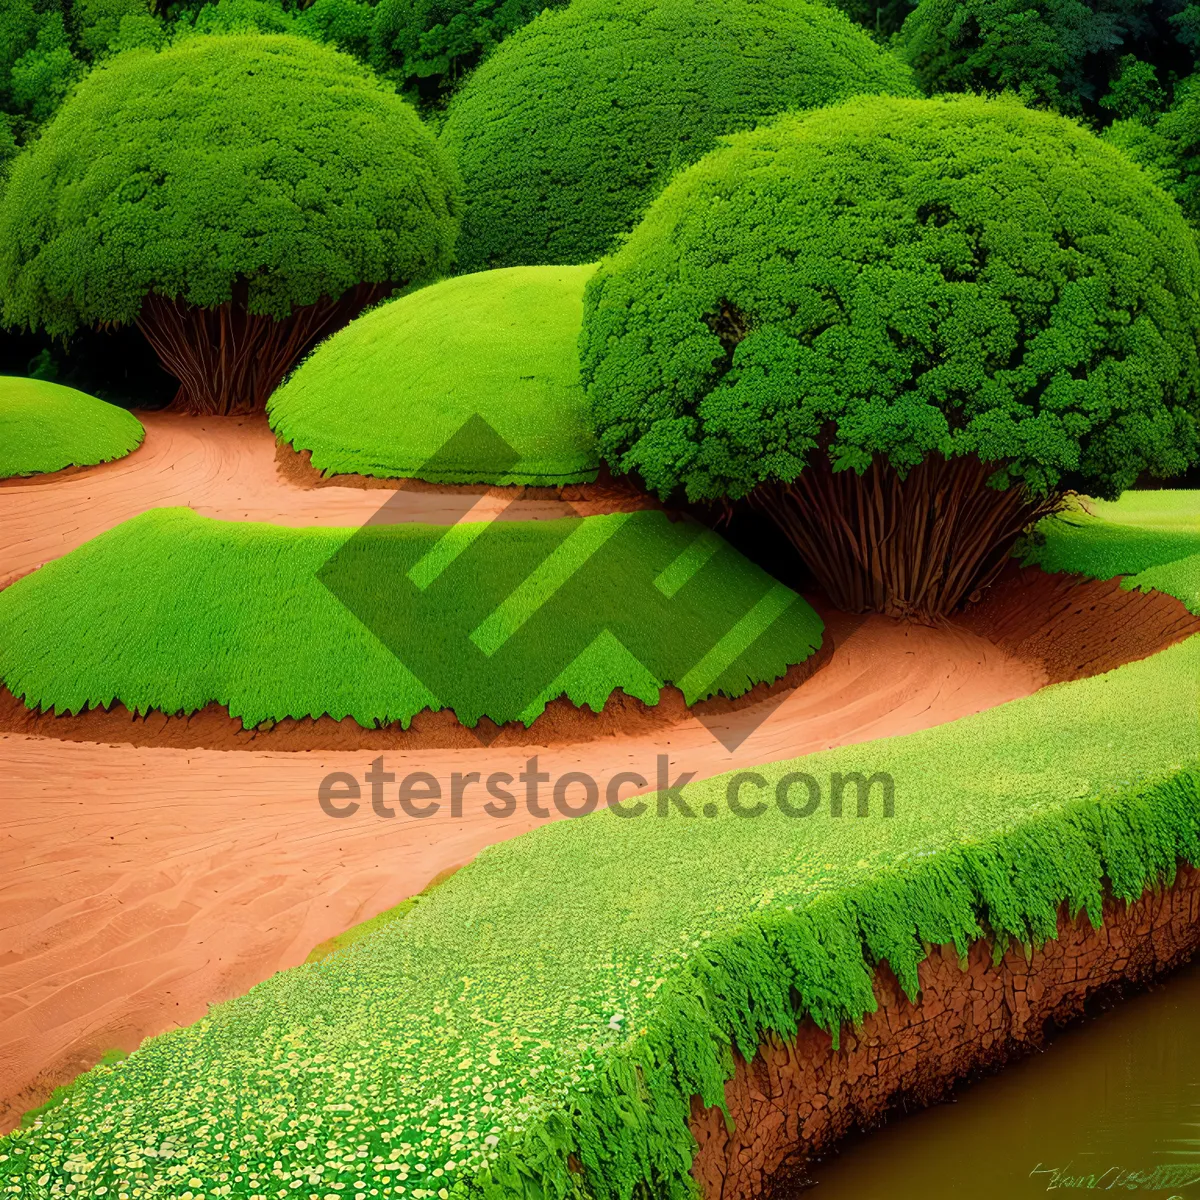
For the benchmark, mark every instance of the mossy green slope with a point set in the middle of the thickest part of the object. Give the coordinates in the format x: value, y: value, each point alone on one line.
x: 570, y: 990
x: 1151, y: 538
x: 172, y: 611
x: 45, y: 427
x: 394, y: 393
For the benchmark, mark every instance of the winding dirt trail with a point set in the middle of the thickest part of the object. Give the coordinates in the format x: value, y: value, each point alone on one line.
x: 221, y: 467
x: 138, y: 884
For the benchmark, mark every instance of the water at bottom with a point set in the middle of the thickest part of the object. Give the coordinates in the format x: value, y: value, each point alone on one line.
x: 1112, y: 1107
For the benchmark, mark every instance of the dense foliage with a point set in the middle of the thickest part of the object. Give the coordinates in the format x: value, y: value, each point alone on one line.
x: 172, y: 611
x: 1104, y: 58
x: 395, y: 394
x: 570, y: 128
x: 430, y: 44
x: 570, y: 991
x: 882, y: 18
x: 47, y: 45
x: 896, y: 278
x: 45, y: 427
x: 1168, y: 144
x: 268, y: 159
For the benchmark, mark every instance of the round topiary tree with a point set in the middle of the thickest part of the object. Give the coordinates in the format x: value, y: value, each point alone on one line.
x: 238, y: 197
x: 904, y: 328
x: 573, y: 125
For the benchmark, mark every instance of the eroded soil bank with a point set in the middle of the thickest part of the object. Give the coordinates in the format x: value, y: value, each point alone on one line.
x: 795, y: 1100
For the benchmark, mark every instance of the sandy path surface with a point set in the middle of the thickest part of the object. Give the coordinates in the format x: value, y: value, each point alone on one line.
x: 221, y: 467
x: 138, y: 885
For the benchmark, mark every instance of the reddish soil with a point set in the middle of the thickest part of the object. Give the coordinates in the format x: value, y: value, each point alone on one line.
x: 15, y: 481
x: 561, y: 723
x: 1076, y: 627
x: 139, y: 884
x: 794, y: 1100
x: 222, y: 467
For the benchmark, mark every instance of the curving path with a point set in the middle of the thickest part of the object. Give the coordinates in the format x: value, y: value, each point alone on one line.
x: 139, y: 885
x: 221, y: 467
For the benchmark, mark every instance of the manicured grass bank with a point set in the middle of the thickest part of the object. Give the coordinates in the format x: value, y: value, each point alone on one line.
x: 172, y: 611
x: 45, y: 427
x: 559, y: 1000
x: 472, y: 380
x: 1152, y: 538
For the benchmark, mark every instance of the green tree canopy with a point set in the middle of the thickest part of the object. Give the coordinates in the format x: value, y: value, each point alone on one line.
x: 1168, y: 145
x: 430, y: 44
x: 565, y: 133
x: 892, y: 279
x: 1078, y: 56
x: 345, y: 24
x: 265, y: 159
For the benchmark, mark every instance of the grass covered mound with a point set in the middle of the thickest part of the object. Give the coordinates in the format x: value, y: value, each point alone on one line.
x: 45, y: 427
x: 1152, y: 538
x: 395, y: 394
x: 562, y: 998
x: 570, y: 128
x: 171, y: 611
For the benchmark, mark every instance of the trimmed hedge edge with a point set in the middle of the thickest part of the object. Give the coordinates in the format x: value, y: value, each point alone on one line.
x: 630, y: 1134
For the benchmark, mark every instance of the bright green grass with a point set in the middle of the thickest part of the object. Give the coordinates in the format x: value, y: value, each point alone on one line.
x: 569, y: 990
x: 1105, y: 539
x: 1152, y: 538
x: 356, y: 933
x: 172, y: 611
x: 391, y: 395
x: 45, y: 427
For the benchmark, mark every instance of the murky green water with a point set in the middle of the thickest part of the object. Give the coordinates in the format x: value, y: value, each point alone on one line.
x: 1112, y: 1107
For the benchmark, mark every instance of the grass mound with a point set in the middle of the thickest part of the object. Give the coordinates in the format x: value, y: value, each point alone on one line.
x: 561, y: 998
x: 45, y: 427
x: 172, y: 611
x: 398, y: 393
x: 1152, y: 538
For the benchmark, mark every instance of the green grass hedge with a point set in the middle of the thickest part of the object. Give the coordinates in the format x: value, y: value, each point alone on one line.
x: 171, y: 611
x: 45, y: 427
x: 568, y: 992
x: 392, y: 394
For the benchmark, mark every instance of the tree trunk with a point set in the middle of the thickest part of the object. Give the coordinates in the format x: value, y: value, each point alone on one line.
x: 912, y: 548
x: 230, y: 360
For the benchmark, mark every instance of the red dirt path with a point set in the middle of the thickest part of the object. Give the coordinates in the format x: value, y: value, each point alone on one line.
x: 140, y: 884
